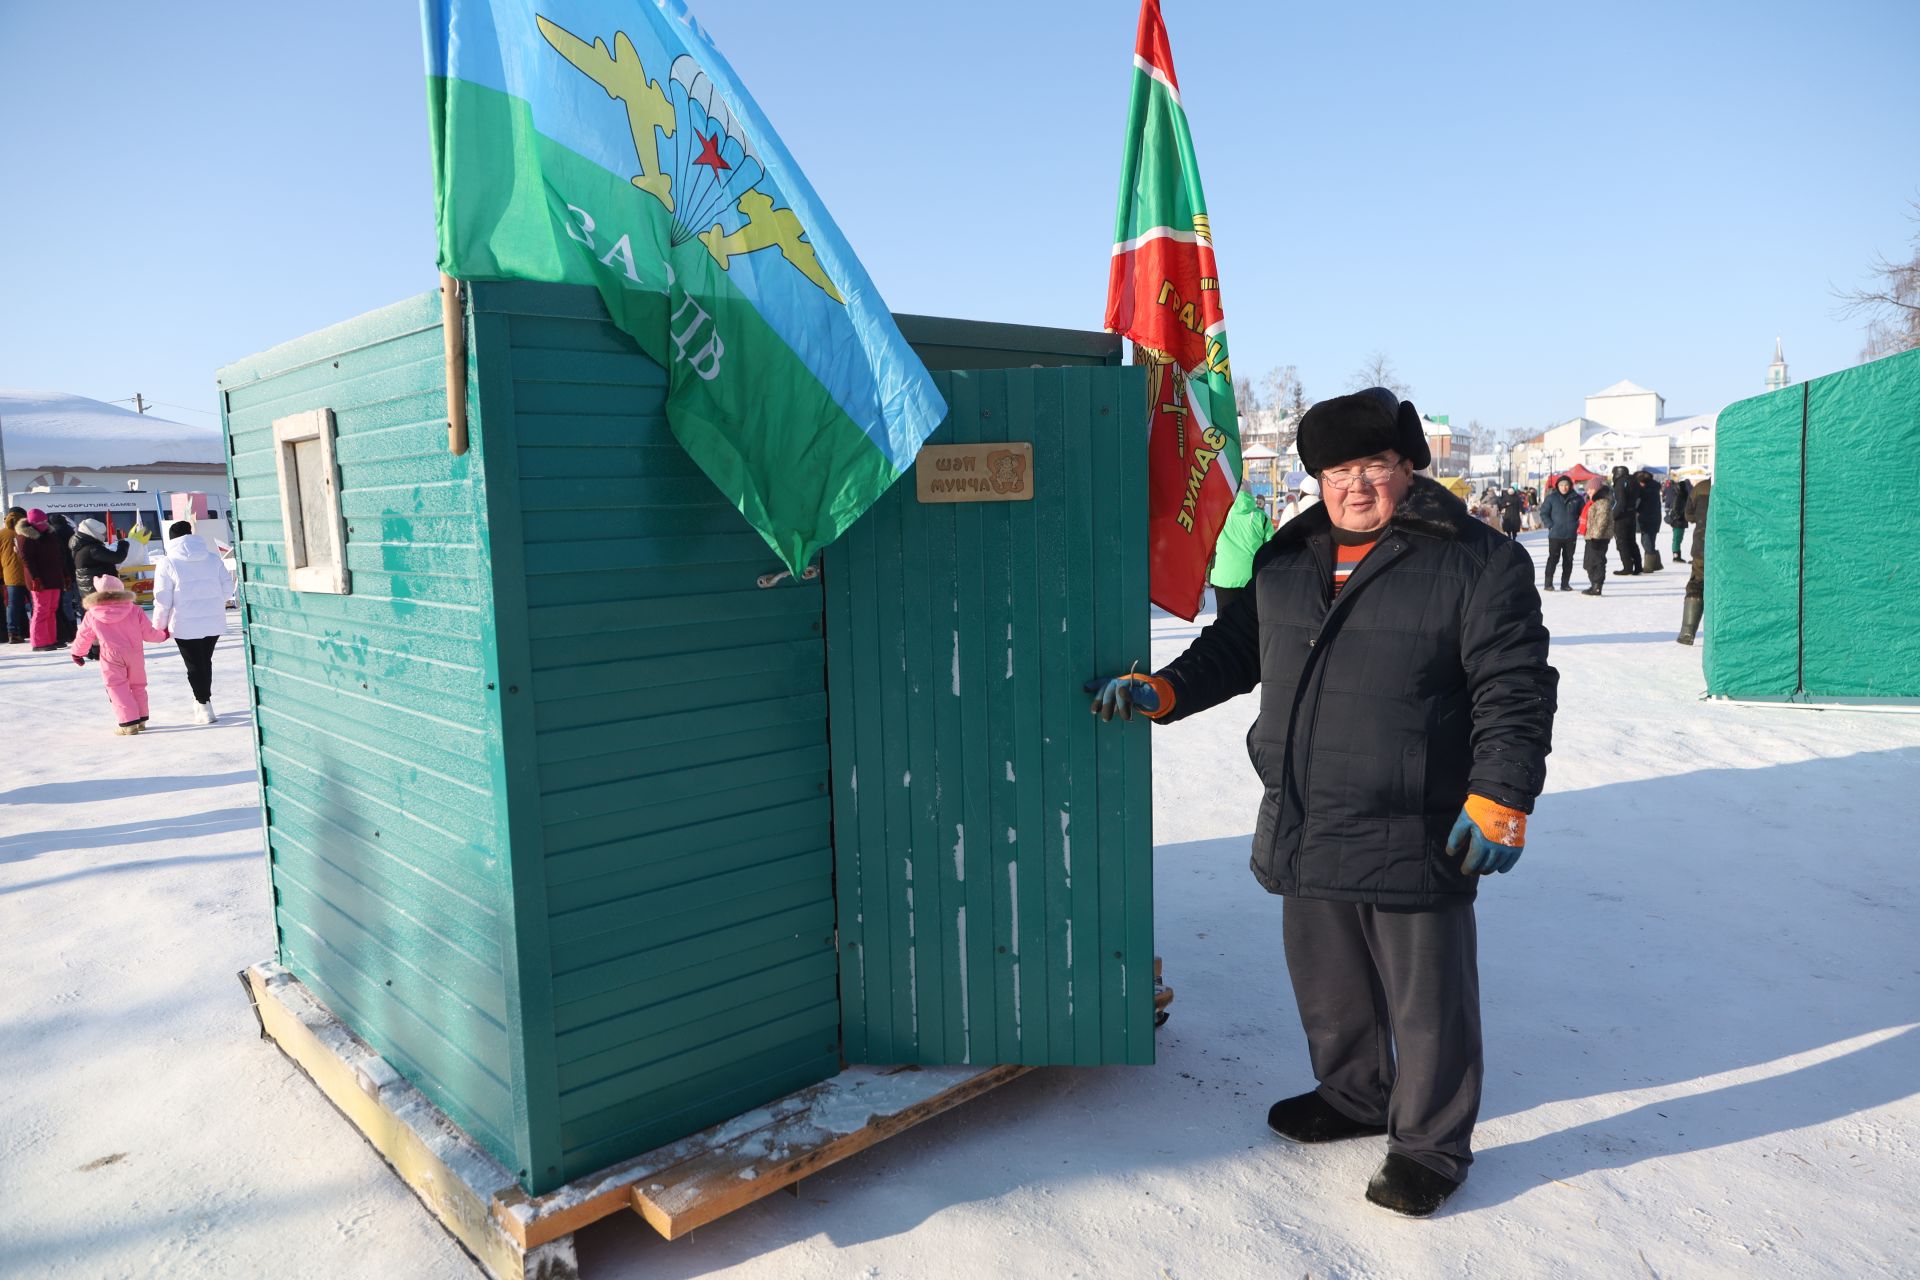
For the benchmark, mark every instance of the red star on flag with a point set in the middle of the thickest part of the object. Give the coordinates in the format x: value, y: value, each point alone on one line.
x: 710, y: 153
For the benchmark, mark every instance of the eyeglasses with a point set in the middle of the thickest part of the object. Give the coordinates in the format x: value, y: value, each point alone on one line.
x: 1374, y: 473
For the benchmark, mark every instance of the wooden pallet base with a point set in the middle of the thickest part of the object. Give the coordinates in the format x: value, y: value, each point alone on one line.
x: 686, y: 1184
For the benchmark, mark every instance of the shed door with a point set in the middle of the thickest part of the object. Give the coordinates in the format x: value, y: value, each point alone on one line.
x: 992, y: 840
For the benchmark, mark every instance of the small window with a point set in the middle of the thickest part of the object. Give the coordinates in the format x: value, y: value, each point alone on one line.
x: 316, y: 537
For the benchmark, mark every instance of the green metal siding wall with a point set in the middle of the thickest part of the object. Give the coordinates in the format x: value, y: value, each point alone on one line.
x: 377, y: 746
x: 943, y: 343
x: 680, y: 743
x: 994, y: 840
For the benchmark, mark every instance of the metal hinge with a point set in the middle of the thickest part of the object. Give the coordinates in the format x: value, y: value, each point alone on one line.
x: 808, y: 574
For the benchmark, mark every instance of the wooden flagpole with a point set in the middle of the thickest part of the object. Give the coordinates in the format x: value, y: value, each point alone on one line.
x: 453, y: 320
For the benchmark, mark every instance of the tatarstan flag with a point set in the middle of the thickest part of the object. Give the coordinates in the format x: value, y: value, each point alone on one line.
x: 1163, y: 292
x: 607, y: 142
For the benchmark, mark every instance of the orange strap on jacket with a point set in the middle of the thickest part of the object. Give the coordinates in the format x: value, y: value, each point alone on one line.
x: 1497, y: 822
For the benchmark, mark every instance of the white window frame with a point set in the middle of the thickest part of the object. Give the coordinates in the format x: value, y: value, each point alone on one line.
x: 298, y: 428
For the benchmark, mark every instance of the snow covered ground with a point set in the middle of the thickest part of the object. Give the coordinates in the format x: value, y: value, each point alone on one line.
x: 1701, y: 985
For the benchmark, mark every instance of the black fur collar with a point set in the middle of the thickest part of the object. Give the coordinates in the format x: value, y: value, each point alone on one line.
x: 1429, y: 508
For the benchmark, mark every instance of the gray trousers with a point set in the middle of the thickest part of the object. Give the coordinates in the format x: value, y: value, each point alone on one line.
x: 1390, y: 1000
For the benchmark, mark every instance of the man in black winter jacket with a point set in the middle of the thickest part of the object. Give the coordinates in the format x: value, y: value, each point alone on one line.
x: 1626, y: 522
x: 1647, y: 510
x: 1673, y: 500
x: 1406, y: 708
x: 1560, y: 514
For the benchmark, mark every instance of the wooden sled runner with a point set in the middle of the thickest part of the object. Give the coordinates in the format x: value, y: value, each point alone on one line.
x: 686, y: 1184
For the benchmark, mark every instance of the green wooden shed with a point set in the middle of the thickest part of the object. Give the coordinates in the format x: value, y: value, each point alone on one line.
x: 600, y: 829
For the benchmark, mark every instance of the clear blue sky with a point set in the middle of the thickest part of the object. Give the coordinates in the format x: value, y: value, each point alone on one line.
x: 1519, y: 204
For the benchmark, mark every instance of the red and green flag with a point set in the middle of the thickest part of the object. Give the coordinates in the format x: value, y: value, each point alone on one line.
x: 1163, y: 292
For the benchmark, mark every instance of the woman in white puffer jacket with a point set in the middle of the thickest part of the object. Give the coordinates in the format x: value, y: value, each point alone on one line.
x: 191, y: 587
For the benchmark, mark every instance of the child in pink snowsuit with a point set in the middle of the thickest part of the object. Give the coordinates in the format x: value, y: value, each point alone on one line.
x: 118, y: 626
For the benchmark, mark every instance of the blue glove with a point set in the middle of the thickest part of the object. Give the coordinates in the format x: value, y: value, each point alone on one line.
x: 1121, y: 694
x: 1488, y: 837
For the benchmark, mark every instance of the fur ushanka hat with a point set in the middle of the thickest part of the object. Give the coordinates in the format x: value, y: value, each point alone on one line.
x: 1360, y: 425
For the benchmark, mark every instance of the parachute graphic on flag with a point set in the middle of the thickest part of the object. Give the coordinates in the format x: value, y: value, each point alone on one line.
x: 713, y: 163
x: 1163, y: 292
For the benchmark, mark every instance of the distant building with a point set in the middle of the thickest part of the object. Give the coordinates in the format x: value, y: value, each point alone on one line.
x: 1777, y: 371
x: 1266, y: 449
x: 1625, y: 425
x: 1438, y: 429
x: 1277, y: 430
x: 55, y: 440
x: 1268, y: 427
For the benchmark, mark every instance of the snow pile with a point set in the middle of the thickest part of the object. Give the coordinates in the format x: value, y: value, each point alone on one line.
x: 1702, y: 1050
x: 54, y: 429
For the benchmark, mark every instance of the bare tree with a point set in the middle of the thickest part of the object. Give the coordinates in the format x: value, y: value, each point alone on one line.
x: 1891, y: 303
x: 1281, y: 387
x: 1378, y: 371
x: 1246, y: 400
x: 1298, y: 404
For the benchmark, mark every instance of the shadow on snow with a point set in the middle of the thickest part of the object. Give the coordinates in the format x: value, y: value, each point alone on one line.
x: 1657, y: 934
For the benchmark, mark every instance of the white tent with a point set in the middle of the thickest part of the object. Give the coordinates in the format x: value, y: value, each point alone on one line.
x: 42, y: 429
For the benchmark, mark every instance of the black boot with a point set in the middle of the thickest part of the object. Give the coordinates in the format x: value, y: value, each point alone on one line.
x: 1311, y: 1118
x: 1690, y: 611
x: 1593, y: 590
x: 1408, y: 1187
x: 1547, y: 585
x: 1566, y: 583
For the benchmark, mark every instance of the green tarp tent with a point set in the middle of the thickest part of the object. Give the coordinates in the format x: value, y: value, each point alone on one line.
x: 1813, y: 541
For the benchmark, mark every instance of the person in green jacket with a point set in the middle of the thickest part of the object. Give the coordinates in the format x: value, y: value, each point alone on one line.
x: 1245, y: 532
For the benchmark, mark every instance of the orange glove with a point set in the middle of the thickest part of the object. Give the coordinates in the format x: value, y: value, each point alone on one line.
x: 1121, y: 695
x: 1487, y: 836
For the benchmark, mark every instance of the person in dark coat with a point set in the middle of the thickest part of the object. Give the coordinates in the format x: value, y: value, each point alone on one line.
x: 62, y: 530
x: 1560, y: 515
x: 1646, y: 508
x: 1673, y: 498
x: 1694, y: 604
x: 1406, y: 710
x: 1626, y: 521
x: 1512, y: 509
x: 92, y: 557
x: 46, y: 570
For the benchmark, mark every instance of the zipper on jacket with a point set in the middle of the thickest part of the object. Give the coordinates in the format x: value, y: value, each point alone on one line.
x: 1324, y: 563
x: 1320, y: 687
